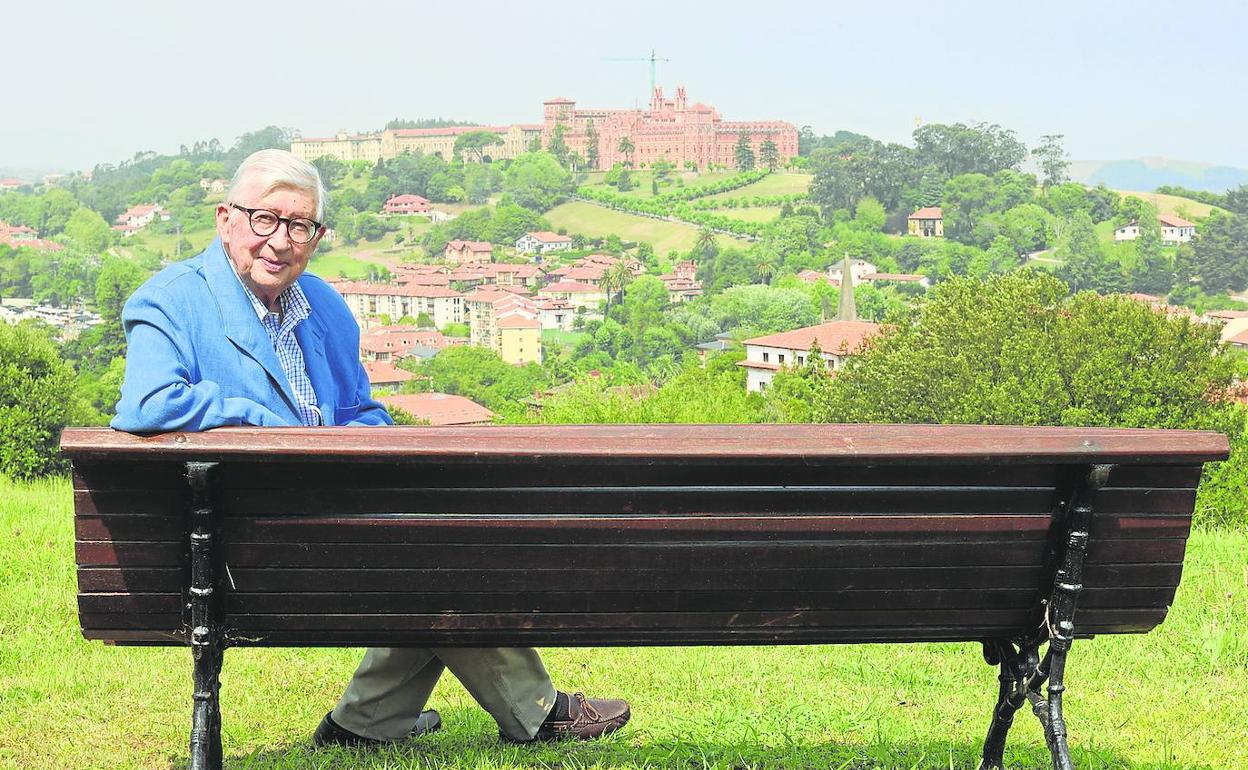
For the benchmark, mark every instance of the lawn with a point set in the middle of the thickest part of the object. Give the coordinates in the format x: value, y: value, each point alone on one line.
x: 778, y: 183
x: 1173, y: 204
x: 339, y: 263
x: 1171, y: 699
x: 599, y: 222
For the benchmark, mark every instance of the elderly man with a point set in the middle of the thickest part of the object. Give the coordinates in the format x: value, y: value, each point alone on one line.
x: 239, y: 335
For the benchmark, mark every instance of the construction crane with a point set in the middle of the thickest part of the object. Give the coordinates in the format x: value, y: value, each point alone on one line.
x: 652, y: 59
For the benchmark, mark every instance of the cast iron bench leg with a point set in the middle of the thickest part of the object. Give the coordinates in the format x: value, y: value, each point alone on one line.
x: 1022, y: 673
x: 207, y: 644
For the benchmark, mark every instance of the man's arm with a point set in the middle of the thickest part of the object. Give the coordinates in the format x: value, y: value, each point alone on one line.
x: 158, y: 393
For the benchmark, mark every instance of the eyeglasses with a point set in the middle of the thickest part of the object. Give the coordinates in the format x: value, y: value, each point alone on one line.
x: 264, y: 223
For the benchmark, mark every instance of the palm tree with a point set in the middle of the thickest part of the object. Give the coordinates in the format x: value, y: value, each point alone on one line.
x: 626, y: 147
x: 615, y: 280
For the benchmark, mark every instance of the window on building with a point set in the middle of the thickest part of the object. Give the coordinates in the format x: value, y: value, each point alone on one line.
x: 766, y: 357
x: 780, y: 358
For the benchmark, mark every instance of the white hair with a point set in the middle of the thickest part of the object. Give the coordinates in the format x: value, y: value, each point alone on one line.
x: 275, y: 170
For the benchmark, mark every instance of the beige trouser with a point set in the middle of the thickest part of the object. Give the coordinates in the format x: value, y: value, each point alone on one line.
x: 391, y: 686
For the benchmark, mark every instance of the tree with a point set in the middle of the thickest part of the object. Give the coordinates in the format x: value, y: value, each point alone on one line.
x: 1053, y: 160
x: 626, y: 148
x: 1085, y: 266
x: 591, y: 145
x: 557, y: 146
x: 769, y: 155
x: 472, y: 144
x: 536, y: 181
x: 961, y: 149
x: 1220, y: 253
x: 869, y: 215
x: 614, y: 281
x: 37, y: 400
x: 1015, y: 350
x: 644, y: 301
x: 88, y: 230
x: 742, y: 153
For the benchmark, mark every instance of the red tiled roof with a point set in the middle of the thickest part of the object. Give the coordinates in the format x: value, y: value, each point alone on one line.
x: 1170, y: 220
x: 384, y: 290
x: 929, y: 212
x: 470, y: 246
x: 517, y: 321
x: 572, y: 286
x: 440, y: 408
x: 835, y: 337
x: 545, y: 236
x: 385, y: 373
x: 1239, y: 339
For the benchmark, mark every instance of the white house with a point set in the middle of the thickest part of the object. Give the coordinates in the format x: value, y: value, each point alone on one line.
x: 443, y: 305
x: 1174, y: 230
x: 838, y: 340
x: 542, y: 242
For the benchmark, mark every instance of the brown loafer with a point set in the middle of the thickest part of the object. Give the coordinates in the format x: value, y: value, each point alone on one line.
x: 588, y: 718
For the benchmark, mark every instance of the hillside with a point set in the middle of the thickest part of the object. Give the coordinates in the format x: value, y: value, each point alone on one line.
x: 599, y: 222
x: 1173, y: 204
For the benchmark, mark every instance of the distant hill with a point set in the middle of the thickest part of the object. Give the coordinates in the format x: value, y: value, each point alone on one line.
x: 1150, y: 173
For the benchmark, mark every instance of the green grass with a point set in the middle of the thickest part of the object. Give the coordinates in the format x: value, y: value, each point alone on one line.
x: 337, y: 262
x: 557, y: 338
x: 599, y: 222
x: 779, y: 183
x: 642, y: 181
x: 1174, y: 698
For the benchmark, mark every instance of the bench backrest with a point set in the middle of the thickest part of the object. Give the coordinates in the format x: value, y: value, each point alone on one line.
x: 603, y: 535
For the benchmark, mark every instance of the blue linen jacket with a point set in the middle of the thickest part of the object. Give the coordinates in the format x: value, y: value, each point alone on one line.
x: 199, y: 358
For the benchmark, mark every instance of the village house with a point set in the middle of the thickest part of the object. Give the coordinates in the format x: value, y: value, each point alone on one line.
x: 138, y: 217
x: 858, y: 270
x: 542, y: 242
x: 439, y: 408
x: 904, y: 278
x: 214, y: 185
x: 405, y: 204
x: 579, y: 295
x: 443, y: 305
x: 459, y: 252
x: 21, y: 236
x: 838, y: 340
x: 9, y: 184
x: 1174, y: 230
x: 391, y: 343
x: 505, y: 322
x: 556, y: 314
x: 927, y: 222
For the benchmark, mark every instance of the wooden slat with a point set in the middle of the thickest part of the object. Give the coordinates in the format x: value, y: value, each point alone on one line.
x: 132, y: 579
x: 618, y: 601
x: 132, y: 528
x: 528, y: 579
x: 1001, y: 445
x: 588, y: 529
x: 644, y: 557
x: 106, y: 554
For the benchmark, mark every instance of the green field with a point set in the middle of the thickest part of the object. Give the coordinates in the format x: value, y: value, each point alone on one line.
x: 773, y: 184
x: 599, y: 222
x: 1173, y: 204
x: 1174, y: 698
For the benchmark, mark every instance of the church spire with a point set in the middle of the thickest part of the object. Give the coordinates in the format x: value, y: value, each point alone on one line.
x: 848, y: 311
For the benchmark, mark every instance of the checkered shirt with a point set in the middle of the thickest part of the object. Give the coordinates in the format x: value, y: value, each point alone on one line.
x: 281, y: 329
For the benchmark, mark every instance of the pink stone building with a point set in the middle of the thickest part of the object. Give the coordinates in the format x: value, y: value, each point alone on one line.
x: 671, y: 130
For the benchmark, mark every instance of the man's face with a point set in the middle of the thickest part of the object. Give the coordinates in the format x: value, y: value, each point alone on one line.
x: 267, y: 264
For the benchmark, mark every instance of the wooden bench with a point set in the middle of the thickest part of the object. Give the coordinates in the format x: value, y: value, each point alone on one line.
x: 635, y: 535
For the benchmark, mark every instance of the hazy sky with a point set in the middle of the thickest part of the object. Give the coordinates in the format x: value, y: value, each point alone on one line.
x: 91, y: 82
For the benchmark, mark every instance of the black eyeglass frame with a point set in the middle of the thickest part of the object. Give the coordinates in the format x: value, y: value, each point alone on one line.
x: 251, y: 213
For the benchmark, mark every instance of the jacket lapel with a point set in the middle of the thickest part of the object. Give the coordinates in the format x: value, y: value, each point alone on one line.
x: 311, y: 336
x: 242, y: 327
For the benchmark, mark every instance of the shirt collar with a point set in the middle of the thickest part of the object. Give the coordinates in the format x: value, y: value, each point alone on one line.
x: 293, y: 301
